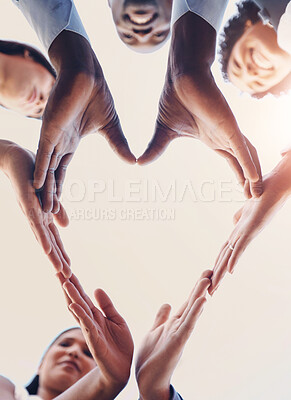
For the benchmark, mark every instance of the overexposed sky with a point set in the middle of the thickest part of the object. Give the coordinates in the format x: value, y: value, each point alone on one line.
x: 241, y: 346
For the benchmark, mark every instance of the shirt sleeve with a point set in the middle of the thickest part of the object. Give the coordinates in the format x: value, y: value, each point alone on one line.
x: 210, y: 10
x: 49, y: 18
x: 20, y: 393
x: 284, y: 30
x: 174, y: 394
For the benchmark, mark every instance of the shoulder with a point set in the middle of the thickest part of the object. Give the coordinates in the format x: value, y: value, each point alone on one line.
x: 7, y: 388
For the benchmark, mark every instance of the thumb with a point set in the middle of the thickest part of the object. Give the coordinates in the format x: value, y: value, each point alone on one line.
x: 118, y: 142
x: 107, y: 307
x: 160, y: 141
x: 237, y: 216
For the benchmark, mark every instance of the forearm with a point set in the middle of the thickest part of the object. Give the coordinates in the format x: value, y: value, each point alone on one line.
x: 280, y: 178
x: 72, y: 52
x: 191, y: 56
x: 91, y: 387
x: 192, y: 45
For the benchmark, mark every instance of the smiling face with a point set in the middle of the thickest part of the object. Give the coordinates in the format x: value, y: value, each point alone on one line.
x: 25, y: 85
x: 66, y: 361
x: 257, y: 63
x: 143, y: 25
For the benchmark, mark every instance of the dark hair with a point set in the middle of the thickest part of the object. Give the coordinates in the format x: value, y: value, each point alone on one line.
x: 33, y: 385
x: 18, y: 49
x: 233, y: 30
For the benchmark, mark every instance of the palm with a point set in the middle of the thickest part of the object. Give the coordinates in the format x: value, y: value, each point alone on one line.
x: 106, y: 332
x: 162, y: 347
x: 111, y: 342
x: 249, y: 222
x: 20, y: 171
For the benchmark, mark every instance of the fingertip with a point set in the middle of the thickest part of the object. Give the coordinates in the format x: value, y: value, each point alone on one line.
x: 143, y: 160
x: 47, y: 249
x: 131, y: 159
x: 207, y: 273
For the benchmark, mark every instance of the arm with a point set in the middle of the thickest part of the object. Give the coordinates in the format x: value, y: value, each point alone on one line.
x: 6, y: 389
x: 253, y: 218
x: 192, y: 105
x: 107, y: 336
x: 92, y: 386
x: 162, y: 347
x: 80, y: 102
x: 18, y: 164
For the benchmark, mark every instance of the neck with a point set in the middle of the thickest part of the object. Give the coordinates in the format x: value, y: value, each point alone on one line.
x: 47, y: 393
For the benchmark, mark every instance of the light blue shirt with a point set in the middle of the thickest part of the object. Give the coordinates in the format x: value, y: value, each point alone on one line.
x: 49, y: 18
x: 210, y: 10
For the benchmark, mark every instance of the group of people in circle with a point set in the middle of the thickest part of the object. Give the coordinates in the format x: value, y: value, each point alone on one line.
x: 70, y: 96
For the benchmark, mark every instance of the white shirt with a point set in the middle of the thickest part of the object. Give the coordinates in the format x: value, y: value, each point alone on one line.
x: 210, y: 10
x: 284, y: 30
x: 22, y: 394
x: 50, y: 17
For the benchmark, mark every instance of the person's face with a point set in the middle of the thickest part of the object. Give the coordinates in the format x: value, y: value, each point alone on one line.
x: 26, y: 85
x: 256, y: 62
x: 143, y: 25
x: 66, y: 361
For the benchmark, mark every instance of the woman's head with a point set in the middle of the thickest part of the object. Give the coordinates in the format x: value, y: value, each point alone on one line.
x: 250, y: 56
x: 143, y: 25
x: 26, y: 79
x: 66, y: 360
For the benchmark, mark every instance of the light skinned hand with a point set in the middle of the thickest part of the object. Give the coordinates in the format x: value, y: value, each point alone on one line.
x: 191, y: 105
x: 251, y: 219
x: 79, y: 104
x: 162, y: 347
x: 105, y: 331
x: 19, y: 169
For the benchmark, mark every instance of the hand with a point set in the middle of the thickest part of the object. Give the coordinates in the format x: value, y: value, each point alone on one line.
x: 162, y: 347
x: 251, y: 219
x: 105, y: 331
x: 19, y: 169
x: 191, y: 105
x: 79, y: 104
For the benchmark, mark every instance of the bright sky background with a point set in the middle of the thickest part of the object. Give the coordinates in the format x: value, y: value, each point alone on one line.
x: 241, y: 346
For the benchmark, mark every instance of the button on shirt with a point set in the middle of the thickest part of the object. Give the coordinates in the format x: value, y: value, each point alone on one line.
x: 210, y: 10
x: 49, y: 18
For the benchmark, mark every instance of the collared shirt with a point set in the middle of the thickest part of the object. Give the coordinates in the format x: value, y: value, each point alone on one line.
x: 22, y: 394
x: 272, y: 10
x: 284, y: 30
x: 210, y: 10
x: 278, y: 14
x: 50, y: 17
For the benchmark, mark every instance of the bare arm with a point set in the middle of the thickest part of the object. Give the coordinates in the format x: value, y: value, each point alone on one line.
x: 251, y: 219
x: 91, y: 387
x: 192, y: 105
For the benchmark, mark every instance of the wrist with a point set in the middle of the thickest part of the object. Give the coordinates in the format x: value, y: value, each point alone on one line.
x: 72, y: 52
x: 109, y: 388
x: 156, y: 394
x: 280, y: 178
x: 6, y: 150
